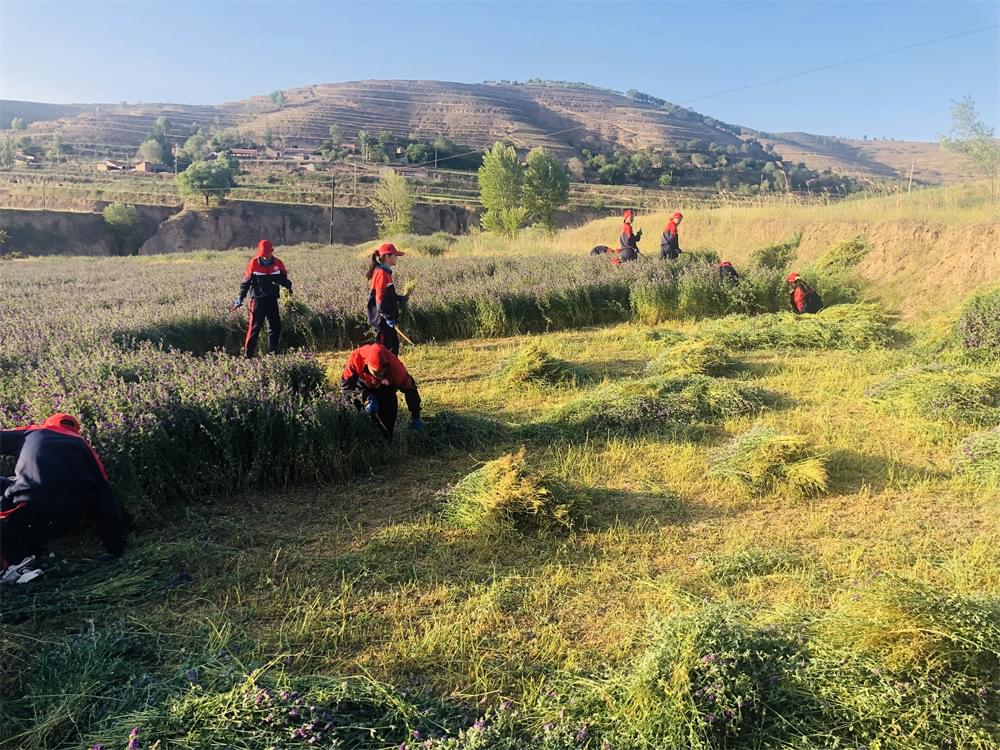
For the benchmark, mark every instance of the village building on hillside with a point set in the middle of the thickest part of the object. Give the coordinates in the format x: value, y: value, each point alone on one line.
x: 109, y: 165
x: 245, y: 153
x: 146, y: 167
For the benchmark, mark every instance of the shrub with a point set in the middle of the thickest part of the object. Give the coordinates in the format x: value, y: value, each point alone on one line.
x: 954, y: 393
x: 502, y: 497
x: 691, y: 357
x: 843, y: 256
x: 533, y: 365
x: 979, y: 457
x: 763, y: 461
x: 978, y: 327
x: 777, y: 257
x: 656, y: 404
x: 859, y: 326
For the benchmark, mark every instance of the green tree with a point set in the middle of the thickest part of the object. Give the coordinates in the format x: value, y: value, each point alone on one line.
x: 209, y: 179
x: 17, y: 123
x: 611, y: 174
x: 278, y: 98
x: 123, y: 222
x: 546, y: 187
x: 501, y: 182
x: 151, y: 150
x: 56, y: 148
x: 196, y: 147
x: 336, y: 135
x: 6, y: 154
x: 972, y: 138
x: 393, y: 204
x: 419, y: 153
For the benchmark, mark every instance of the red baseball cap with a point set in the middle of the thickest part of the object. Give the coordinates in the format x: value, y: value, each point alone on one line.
x: 792, y: 277
x: 629, y: 213
x: 387, y: 248
x: 265, y: 248
x: 677, y: 215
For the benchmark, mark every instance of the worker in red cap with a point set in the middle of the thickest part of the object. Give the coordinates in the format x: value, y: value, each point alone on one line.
x: 670, y: 246
x: 370, y: 380
x: 383, y: 300
x: 265, y: 273
x: 802, y: 298
x: 728, y: 273
x: 628, y: 240
x: 58, y: 480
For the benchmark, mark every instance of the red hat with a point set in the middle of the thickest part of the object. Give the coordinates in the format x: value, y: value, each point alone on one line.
x: 265, y: 249
x: 792, y: 277
x: 629, y: 213
x: 677, y: 215
x: 376, y: 358
x: 725, y: 264
x: 387, y: 248
x: 63, y: 421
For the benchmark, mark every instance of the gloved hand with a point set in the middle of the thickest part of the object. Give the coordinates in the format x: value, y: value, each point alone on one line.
x: 638, y: 235
x: 417, y: 425
x: 390, y: 323
x: 237, y: 302
x: 371, y: 406
x: 289, y: 290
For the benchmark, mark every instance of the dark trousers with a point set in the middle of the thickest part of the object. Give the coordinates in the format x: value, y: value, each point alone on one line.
x: 25, y: 529
x: 386, y: 336
x: 387, y: 404
x: 263, y: 309
x: 668, y: 252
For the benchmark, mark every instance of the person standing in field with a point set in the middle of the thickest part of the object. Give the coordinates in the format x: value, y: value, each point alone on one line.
x: 264, y: 275
x: 370, y: 381
x: 383, y: 300
x: 58, y: 480
x: 628, y: 240
x: 670, y: 245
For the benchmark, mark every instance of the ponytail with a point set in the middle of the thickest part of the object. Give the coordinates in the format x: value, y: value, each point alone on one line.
x: 372, y: 265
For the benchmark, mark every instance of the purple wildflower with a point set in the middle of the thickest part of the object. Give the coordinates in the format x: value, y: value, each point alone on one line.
x: 480, y: 724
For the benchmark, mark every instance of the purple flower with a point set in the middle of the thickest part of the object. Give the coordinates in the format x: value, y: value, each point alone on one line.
x: 581, y: 735
x: 710, y: 718
x: 133, y: 739
x: 480, y: 724
x: 506, y: 705
x: 192, y: 676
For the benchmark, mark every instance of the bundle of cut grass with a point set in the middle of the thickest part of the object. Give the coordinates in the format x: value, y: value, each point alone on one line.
x: 978, y: 457
x: 843, y: 256
x: 503, y: 496
x: 534, y: 365
x: 691, y: 357
x: 776, y: 257
x: 460, y: 431
x: 674, y: 404
x: 939, y: 391
x: 763, y: 461
x: 855, y: 326
x: 979, y: 326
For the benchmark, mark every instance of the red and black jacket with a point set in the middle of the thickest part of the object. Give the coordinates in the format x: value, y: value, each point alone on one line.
x: 670, y: 241
x: 627, y: 239
x: 383, y: 301
x: 264, y: 274
x: 366, y: 360
x: 798, y: 299
x: 58, y: 468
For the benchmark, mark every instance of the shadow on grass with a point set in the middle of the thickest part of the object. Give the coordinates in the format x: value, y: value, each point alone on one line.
x: 850, y: 470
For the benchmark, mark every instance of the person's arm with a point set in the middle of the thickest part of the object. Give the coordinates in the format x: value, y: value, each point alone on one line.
x: 245, y: 284
x: 105, y: 508
x: 385, y: 297
x: 283, y: 279
x: 11, y: 441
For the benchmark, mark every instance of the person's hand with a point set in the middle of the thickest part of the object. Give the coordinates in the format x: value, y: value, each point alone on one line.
x: 417, y: 425
x: 371, y: 406
x: 390, y: 323
x: 237, y: 303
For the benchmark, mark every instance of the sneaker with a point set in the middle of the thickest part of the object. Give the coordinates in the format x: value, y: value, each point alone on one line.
x: 14, y: 572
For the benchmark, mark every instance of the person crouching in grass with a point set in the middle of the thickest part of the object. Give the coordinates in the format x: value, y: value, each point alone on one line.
x: 370, y: 380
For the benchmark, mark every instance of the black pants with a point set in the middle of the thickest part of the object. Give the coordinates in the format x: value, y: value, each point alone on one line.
x: 669, y: 253
x: 25, y: 529
x: 388, y: 405
x: 386, y: 336
x: 263, y: 309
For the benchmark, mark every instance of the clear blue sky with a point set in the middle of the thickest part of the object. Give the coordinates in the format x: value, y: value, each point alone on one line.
x: 215, y: 51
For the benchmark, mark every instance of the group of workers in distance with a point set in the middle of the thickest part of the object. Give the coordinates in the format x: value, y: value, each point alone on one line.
x: 802, y: 297
x: 59, y: 480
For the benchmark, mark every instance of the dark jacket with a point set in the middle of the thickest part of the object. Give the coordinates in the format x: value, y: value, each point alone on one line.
x: 58, y: 468
x: 670, y: 246
x: 263, y: 277
x: 383, y: 301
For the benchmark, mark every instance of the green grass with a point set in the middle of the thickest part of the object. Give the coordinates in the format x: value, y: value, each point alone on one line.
x: 867, y: 616
x: 762, y: 461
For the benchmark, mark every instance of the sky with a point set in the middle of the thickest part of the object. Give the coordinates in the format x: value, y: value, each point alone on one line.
x: 690, y: 53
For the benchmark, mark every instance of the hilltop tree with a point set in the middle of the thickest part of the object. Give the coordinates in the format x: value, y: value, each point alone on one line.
x: 546, y: 187
x: 209, y: 179
x: 501, y: 182
x: 196, y: 147
x: 278, y: 98
x: 17, y: 123
x: 151, y: 150
x: 393, y: 203
x: 56, y: 148
x: 972, y: 138
x: 123, y: 222
x: 6, y: 154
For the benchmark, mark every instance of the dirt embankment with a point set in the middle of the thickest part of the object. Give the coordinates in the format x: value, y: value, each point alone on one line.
x: 236, y: 224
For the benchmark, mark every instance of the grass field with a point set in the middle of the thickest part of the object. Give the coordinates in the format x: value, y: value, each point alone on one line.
x: 740, y: 532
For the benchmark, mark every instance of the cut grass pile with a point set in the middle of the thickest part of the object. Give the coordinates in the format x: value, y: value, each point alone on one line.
x: 978, y: 328
x: 843, y: 256
x: 532, y: 364
x: 852, y: 326
x: 504, y: 496
x: 763, y: 461
x: 955, y: 393
x: 682, y: 405
x: 978, y: 457
x: 776, y: 257
x: 691, y: 357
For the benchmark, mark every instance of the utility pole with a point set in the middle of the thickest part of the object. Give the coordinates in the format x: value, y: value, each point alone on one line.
x: 333, y: 187
x: 175, y: 161
x: 435, y: 158
x: 910, y: 185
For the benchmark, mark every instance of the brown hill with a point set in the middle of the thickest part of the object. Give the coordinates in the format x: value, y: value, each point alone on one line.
x: 562, y: 117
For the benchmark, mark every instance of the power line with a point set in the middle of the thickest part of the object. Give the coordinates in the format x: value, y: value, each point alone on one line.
x: 839, y: 64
